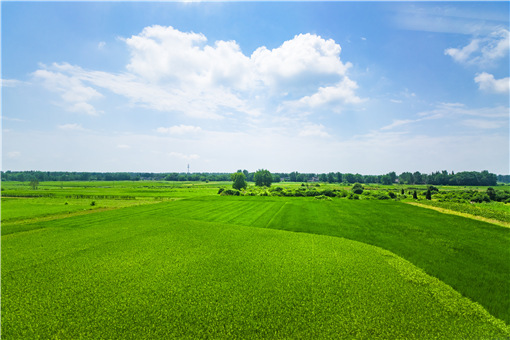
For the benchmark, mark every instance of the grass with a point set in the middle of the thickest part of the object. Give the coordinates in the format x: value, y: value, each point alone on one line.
x: 189, y: 266
x: 143, y: 272
x: 469, y: 255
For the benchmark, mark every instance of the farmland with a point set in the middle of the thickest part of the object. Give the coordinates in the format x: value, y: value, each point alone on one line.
x: 176, y: 260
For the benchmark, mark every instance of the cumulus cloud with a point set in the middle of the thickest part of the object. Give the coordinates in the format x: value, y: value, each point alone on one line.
x: 180, y: 129
x: 181, y: 72
x: 483, y: 50
x: 487, y: 82
x: 343, y: 92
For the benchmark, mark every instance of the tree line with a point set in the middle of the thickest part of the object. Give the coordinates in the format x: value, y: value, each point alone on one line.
x: 465, y: 178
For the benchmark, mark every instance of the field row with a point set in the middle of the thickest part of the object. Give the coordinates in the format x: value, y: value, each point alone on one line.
x: 154, y: 271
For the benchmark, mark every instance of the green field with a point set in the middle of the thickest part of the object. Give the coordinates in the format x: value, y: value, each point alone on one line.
x: 175, y: 260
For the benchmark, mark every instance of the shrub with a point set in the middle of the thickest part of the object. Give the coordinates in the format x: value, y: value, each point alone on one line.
x: 357, y: 188
x: 230, y: 192
x: 311, y: 193
x: 328, y: 192
x: 323, y: 197
x: 221, y: 190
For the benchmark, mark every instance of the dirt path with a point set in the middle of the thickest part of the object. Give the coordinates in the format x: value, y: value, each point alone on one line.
x: 453, y: 212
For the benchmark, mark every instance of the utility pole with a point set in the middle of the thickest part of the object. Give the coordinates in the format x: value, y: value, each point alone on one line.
x: 188, y: 171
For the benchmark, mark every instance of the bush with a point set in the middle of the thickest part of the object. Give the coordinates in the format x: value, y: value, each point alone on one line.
x: 230, y: 192
x: 221, y: 190
x: 323, y: 197
x: 311, y: 193
x: 328, y: 192
x: 357, y: 188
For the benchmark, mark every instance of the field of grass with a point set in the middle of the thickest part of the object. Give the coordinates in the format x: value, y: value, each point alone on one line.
x: 199, y: 265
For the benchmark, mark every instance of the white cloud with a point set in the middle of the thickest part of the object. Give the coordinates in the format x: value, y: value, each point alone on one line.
x: 487, y: 82
x: 462, y: 54
x: 74, y: 94
x: 10, y: 82
x: 180, y: 72
x: 450, y: 109
x: 313, y: 130
x: 180, y: 129
x: 399, y: 122
x: 485, y: 124
x: 305, y: 59
x: 123, y: 146
x: 483, y: 50
x: 343, y: 92
x: 101, y: 45
x: 71, y: 127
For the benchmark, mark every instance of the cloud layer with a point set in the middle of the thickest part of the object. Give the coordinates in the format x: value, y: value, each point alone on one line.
x: 180, y: 72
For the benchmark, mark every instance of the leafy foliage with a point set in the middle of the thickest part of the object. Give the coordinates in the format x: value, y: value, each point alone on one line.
x: 239, y: 181
x: 263, y: 178
x: 357, y: 188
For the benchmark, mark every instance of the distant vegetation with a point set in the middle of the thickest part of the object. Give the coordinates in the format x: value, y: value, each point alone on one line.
x: 465, y: 178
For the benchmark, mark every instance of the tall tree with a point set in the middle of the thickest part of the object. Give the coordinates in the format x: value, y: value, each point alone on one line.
x: 239, y: 181
x: 263, y: 178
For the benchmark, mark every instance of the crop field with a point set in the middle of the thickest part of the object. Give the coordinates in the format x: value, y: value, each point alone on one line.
x: 152, y: 260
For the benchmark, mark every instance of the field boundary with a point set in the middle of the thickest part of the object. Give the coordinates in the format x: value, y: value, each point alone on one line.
x: 457, y: 213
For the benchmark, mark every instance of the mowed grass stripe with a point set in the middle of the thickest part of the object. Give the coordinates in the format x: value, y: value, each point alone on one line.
x: 469, y: 255
x: 138, y: 273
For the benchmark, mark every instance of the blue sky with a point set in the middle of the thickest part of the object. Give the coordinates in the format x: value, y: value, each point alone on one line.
x: 289, y: 86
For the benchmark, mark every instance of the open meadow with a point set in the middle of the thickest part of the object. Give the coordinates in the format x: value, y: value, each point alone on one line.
x: 154, y: 260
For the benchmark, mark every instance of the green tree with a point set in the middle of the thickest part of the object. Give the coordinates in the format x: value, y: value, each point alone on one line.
x: 239, y: 180
x: 349, y: 178
x: 386, y: 180
x: 263, y: 178
x: 491, y: 193
x: 34, y: 183
x: 428, y: 195
x: 293, y: 176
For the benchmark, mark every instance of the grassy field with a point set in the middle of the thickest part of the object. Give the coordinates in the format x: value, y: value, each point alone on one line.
x: 198, y: 265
